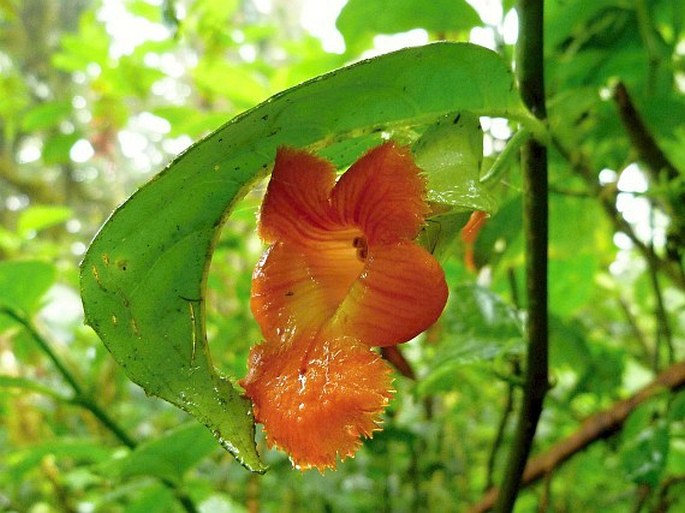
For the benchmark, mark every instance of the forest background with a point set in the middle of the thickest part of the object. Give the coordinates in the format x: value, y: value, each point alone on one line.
x: 96, y: 97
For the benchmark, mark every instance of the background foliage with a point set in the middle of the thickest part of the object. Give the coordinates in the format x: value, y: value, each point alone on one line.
x: 92, y: 107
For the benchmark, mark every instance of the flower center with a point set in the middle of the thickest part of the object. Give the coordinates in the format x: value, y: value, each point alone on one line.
x: 362, y: 246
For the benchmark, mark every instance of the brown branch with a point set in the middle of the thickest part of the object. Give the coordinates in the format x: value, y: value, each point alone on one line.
x: 660, y: 169
x: 599, y: 426
x: 642, y: 140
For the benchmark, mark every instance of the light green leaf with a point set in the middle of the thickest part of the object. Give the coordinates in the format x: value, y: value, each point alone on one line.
x: 57, y: 148
x: 360, y: 20
x: 450, y: 153
x: 40, y: 217
x: 168, y: 457
x: 46, y: 115
x: 143, y: 277
x: 24, y: 282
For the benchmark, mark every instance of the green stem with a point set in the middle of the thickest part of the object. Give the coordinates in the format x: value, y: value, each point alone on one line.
x: 534, y: 168
x: 45, y: 347
x: 505, y: 159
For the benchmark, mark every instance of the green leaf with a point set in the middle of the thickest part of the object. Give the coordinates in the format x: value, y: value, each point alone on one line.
x: 153, y: 499
x: 168, y: 457
x: 450, y: 154
x: 676, y: 411
x: 57, y: 148
x: 24, y: 282
x: 40, y: 217
x: 360, y: 20
x: 46, y: 115
x: 500, y: 234
x: 477, y: 326
x: 646, y: 441
x: 143, y: 277
x: 21, y: 461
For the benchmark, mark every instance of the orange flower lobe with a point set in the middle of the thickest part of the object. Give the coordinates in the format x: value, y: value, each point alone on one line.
x: 318, y: 397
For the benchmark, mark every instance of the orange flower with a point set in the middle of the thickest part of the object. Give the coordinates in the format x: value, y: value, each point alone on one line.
x: 469, y: 234
x: 342, y: 274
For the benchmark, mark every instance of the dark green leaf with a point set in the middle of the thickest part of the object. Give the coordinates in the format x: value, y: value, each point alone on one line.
x: 477, y: 326
x: 645, y: 445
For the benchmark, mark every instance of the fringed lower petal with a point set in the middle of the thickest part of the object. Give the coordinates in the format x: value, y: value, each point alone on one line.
x: 317, y: 398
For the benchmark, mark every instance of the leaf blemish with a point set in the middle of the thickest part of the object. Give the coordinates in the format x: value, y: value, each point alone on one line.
x: 96, y: 275
x: 134, y: 327
x: 122, y: 264
x: 105, y: 258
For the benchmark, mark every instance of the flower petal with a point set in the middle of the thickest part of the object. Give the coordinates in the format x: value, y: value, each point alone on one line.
x: 400, y: 293
x: 297, y: 291
x: 297, y: 205
x: 316, y: 398
x: 382, y: 194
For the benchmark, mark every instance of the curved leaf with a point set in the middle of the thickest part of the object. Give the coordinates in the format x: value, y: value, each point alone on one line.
x: 143, y: 277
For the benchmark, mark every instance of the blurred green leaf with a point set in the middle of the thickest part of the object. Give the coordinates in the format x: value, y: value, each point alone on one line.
x: 360, y: 20
x: 82, y: 450
x: 645, y: 445
x: 477, y: 326
x: 57, y: 148
x: 143, y: 278
x: 676, y: 411
x: 23, y: 283
x: 90, y: 45
x: 153, y: 499
x: 39, y: 217
x: 168, y: 456
x: 501, y: 233
x: 46, y: 115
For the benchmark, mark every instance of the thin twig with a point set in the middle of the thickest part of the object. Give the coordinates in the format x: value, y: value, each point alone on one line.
x: 663, y: 326
x: 529, y: 68
x: 501, y: 428
x: 642, y: 140
x: 599, y: 426
x: 607, y: 199
x: 635, y: 328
